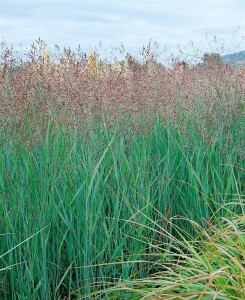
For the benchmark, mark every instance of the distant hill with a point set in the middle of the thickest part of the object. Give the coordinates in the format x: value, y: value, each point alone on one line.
x: 237, y: 59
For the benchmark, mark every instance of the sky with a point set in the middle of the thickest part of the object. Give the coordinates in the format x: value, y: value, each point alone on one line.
x: 133, y: 23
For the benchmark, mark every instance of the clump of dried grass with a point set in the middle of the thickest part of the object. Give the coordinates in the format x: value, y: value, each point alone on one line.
x: 210, y: 266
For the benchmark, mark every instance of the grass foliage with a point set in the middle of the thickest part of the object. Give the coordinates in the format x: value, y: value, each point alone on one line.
x: 208, y: 267
x: 120, y: 179
x: 84, y: 212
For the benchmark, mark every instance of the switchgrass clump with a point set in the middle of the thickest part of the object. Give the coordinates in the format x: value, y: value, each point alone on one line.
x: 120, y: 181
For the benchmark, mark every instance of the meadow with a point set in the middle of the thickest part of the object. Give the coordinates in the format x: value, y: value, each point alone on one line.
x: 120, y: 181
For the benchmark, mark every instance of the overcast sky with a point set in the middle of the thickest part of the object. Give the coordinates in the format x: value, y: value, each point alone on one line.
x: 69, y: 23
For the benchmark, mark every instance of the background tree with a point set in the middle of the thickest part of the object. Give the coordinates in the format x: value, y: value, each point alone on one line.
x: 211, y: 58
